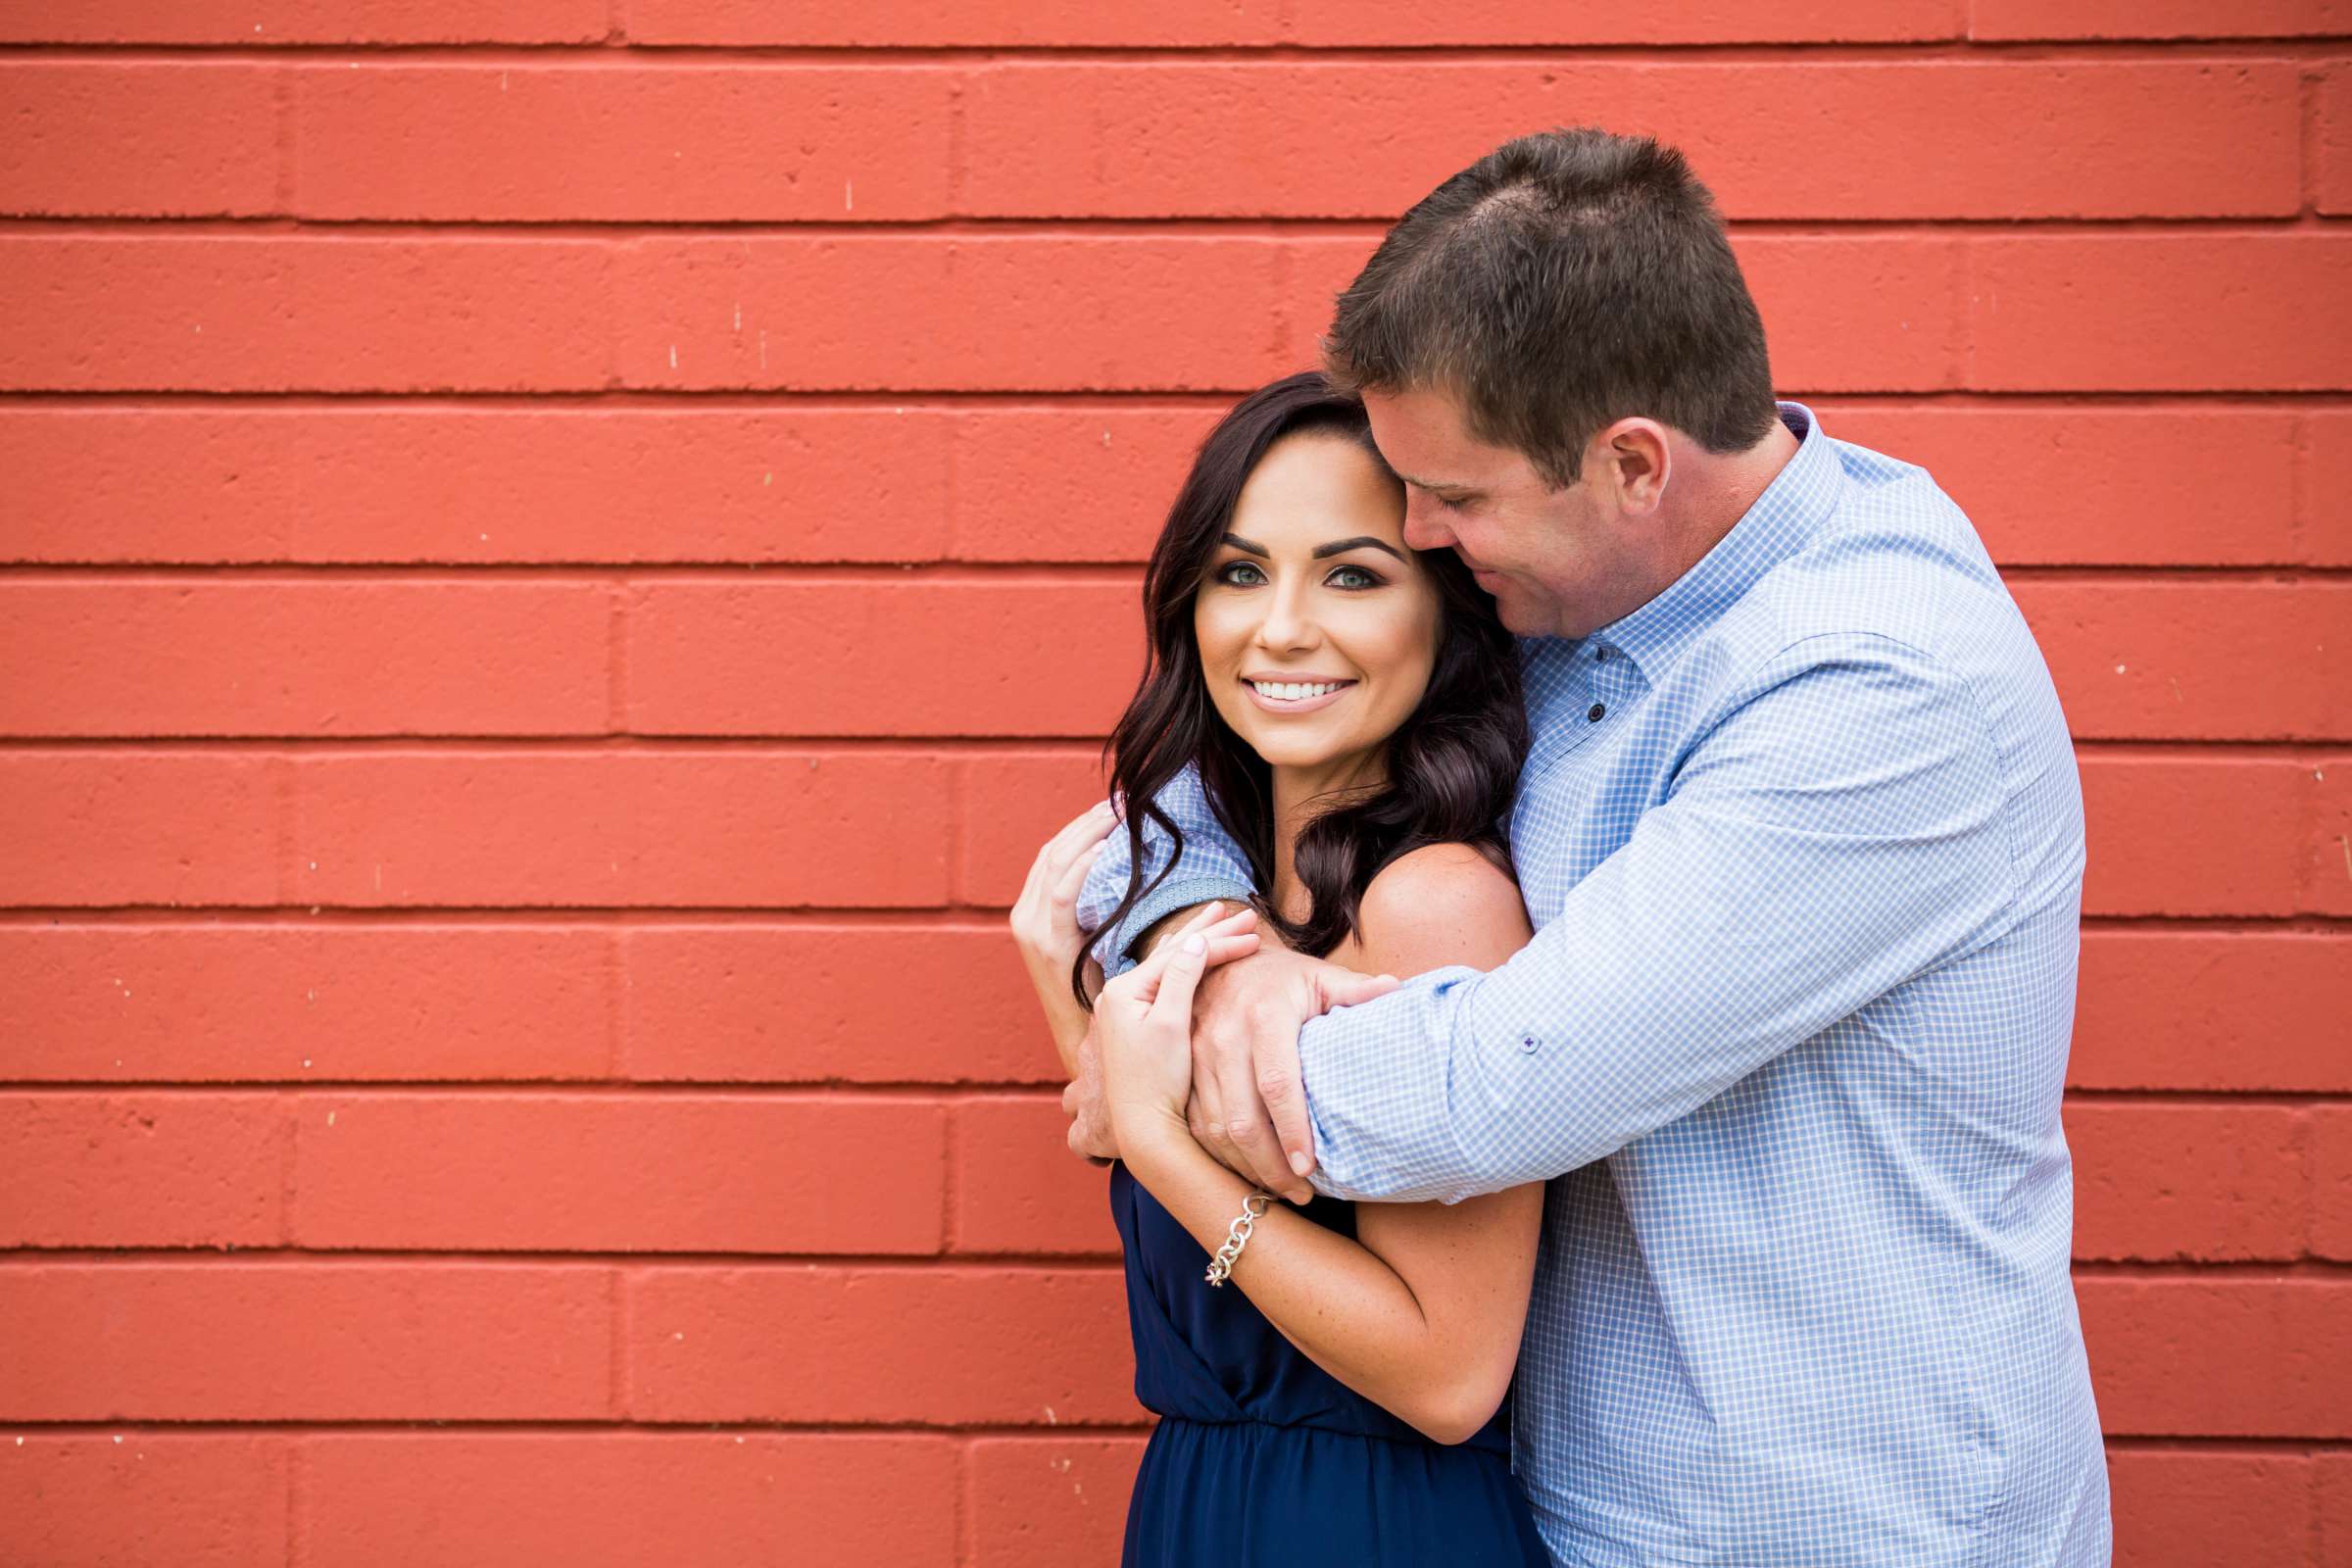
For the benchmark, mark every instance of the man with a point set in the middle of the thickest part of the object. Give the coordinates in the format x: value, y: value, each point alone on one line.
x: 1801, y: 837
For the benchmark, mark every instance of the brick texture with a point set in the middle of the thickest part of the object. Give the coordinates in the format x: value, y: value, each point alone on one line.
x: 558, y: 560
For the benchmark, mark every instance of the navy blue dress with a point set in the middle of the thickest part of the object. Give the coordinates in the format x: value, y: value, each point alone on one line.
x: 1262, y: 1459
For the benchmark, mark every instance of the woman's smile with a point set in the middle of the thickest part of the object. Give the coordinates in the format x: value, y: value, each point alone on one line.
x: 1304, y: 695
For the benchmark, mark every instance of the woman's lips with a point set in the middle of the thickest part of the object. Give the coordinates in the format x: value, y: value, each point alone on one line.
x: 1304, y: 704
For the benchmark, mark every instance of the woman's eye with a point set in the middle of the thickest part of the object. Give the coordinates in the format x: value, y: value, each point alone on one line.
x: 1354, y: 577
x: 1240, y: 574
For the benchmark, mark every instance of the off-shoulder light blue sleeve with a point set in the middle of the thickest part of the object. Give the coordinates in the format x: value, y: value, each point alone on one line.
x: 1212, y: 866
x: 1839, y: 831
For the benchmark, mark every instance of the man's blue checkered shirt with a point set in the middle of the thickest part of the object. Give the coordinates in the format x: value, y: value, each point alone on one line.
x: 1802, y: 839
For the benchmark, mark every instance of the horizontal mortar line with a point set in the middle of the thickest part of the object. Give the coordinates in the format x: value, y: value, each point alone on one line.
x: 1068, y: 743
x: 1082, y: 227
x: 929, y: 916
x: 618, y: 51
x: 2306, y: 1269
x: 586, y: 742
x: 611, y: 574
x: 2175, y: 751
x: 953, y: 1093
x: 926, y: 1264
x: 582, y: 918
x: 2221, y: 1447
x: 2124, y: 573
x: 623, y: 916
x: 2289, y: 925
x: 1069, y: 401
x: 463, y: 1427
x: 829, y: 1089
x: 458, y: 1428
x: 1046, y: 571
x: 960, y: 918
x: 930, y: 1265
x: 2208, y: 1099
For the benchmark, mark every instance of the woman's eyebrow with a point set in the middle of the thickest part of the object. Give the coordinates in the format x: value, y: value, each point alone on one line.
x: 1362, y: 541
x: 1338, y: 547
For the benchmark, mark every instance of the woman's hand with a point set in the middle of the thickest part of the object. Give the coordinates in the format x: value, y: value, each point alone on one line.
x: 1144, y: 1022
x: 1045, y: 917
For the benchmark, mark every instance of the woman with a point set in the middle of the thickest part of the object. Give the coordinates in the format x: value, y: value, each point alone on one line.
x: 1353, y: 707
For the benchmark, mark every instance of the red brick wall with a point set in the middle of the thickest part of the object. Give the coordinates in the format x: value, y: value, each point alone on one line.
x: 559, y: 556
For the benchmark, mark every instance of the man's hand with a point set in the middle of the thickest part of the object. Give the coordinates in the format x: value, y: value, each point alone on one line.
x: 1249, y: 1106
x: 1091, y: 1133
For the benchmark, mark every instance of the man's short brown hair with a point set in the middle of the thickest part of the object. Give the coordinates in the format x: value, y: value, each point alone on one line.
x: 1562, y: 282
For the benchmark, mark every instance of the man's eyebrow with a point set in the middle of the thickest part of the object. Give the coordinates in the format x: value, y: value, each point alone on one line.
x: 1437, y: 484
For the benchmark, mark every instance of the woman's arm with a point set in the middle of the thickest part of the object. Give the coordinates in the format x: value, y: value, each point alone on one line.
x: 1422, y: 1313
x: 1212, y: 866
x: 1044, y: 927
x: 1066, y: 1021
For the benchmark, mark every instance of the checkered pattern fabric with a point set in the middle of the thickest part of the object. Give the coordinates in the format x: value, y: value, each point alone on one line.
x: 1802, y: 839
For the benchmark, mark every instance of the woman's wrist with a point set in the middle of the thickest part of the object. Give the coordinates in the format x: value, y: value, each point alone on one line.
x: 1152, y: 1137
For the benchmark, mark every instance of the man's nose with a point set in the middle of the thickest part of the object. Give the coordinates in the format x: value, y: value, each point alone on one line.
x: 1425, y: 524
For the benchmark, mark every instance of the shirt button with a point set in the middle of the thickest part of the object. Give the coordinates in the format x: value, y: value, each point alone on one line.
x: 1527, y: 1042
x: 1596, y: 711
x: 1599, y: 653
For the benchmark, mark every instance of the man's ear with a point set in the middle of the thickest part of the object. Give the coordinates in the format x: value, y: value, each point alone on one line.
x: 1637, y: 461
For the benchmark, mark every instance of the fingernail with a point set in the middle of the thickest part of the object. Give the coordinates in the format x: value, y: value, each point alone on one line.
x: 1297, y: 1163
x: 1194, y: 944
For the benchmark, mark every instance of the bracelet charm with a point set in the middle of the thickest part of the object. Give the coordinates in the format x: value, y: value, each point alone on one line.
x: 1236, y: 1236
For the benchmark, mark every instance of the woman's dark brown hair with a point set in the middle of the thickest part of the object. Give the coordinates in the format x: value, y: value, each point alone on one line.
x: 1452, y: 764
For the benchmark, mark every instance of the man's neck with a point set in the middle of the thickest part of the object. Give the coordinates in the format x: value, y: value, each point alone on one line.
x: 1722, y: 489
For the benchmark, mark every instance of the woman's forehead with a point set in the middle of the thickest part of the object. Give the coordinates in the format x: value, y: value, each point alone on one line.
x: 1310, y: 489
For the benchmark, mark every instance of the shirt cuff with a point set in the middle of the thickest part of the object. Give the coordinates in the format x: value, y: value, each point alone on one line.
x: 1176, y: 893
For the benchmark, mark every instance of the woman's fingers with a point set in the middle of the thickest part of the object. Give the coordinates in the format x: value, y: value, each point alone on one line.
x: 1054, y: 855
x: 1223, y: 937
x: 1073, y: 877
x: 1224, y: 949
x: 1172, y: 1000
x: 1087, y: 828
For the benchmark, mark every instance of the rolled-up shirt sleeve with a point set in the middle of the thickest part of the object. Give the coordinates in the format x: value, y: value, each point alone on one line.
x: 1839, y: 831
x: 1212, y: 866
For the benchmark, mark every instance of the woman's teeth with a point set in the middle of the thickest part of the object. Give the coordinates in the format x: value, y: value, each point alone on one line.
x: 1295, y: 691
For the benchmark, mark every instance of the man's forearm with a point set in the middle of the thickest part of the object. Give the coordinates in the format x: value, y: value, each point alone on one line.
x: 1170, y: 924
x: 1160, y: 930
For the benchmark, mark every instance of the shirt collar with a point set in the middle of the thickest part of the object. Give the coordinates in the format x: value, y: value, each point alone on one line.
x: 1779, y: 523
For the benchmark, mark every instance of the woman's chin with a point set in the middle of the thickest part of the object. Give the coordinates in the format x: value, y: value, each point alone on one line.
x: 1292, y: 751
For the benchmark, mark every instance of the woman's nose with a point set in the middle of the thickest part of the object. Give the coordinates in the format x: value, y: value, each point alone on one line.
x: 1287, y: 623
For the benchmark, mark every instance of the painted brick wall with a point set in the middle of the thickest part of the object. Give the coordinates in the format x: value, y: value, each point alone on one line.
x: 560, y: 556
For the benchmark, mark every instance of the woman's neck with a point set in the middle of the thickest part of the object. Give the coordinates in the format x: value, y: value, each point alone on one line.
x: 1300, y: 795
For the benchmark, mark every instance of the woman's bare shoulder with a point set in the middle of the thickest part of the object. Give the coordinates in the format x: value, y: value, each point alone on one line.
x: 1439, y: 905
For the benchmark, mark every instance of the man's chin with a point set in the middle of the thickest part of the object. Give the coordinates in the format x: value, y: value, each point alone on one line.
x: 1521, y: 615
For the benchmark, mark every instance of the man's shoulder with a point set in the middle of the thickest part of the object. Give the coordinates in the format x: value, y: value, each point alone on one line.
x: 1898, y: 568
